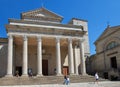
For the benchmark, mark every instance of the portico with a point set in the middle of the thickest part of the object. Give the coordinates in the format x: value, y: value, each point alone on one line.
x: 39, y: 41
x: 45, y: 47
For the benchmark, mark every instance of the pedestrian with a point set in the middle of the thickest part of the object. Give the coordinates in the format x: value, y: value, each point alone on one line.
x: 17, y: 73
x: 68, y: 80
x: 65, y: 80
x: 96, y: 77
x: 30, y: 72
x: 55, y: 71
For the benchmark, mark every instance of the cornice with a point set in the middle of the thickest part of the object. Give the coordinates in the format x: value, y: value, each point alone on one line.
x: 45, y: 23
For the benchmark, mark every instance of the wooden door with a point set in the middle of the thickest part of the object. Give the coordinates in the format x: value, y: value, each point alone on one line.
x: 65, y: 70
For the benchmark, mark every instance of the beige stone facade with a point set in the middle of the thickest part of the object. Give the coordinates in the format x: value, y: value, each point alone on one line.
x: 41, y: 43
x: 106, y: 61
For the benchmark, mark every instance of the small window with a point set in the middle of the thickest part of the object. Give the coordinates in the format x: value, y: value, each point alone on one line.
x: 111, y: 45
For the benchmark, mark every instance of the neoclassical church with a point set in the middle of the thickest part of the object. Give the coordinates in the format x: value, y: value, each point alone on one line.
x: 106, y: 61
x: 38, y: 41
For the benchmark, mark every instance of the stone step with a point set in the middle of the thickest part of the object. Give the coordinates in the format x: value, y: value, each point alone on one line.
x: 44, y: 80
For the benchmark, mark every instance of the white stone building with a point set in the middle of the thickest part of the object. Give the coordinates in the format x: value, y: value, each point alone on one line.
x: 40, y: 42
x: 106, y: 61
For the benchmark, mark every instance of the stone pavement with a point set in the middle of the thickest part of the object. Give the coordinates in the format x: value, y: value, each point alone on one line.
x: 86, y: 84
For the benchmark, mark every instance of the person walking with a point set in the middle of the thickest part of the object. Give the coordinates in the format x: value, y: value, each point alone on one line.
x: 96, y: 77
x: 68, y: 80
x: 65, y: 80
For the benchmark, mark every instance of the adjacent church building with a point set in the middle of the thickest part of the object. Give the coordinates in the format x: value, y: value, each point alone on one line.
x: 39, y: 42
x: 106, y: 61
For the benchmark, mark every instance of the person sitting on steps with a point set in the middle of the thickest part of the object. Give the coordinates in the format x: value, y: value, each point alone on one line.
x: 17, y: 73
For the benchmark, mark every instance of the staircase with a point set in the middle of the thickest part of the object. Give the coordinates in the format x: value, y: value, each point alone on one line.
x: 44, y: 80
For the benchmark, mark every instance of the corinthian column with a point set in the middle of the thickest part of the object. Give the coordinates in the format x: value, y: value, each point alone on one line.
x: 58, y: 56
x: 70, y: 57
x: 25, y: 56
x: 83, y: 67
x: 39, y: 57
x: 10, y: 56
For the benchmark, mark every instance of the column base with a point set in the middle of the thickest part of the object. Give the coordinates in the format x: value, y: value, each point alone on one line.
x: 24, y: 75
x: 76, y: 74
x: 59, y: 74
x: 72, y: 74
x: 9, y: 75
x: 39, y: 75
x: 84, y: 74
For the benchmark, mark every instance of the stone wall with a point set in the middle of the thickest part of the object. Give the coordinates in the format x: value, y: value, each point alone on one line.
x: 102, y: 62
x: 3, y: 59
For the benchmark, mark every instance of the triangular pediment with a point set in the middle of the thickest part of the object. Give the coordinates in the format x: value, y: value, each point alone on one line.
x: 108, y: 31
x: 42, y: 14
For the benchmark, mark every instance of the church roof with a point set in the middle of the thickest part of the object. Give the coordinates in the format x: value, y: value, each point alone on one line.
x: 41, y: 14
x: 42, y: 19
x: 108, y: 31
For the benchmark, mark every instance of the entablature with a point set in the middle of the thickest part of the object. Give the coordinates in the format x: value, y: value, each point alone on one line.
x: 44, y: 30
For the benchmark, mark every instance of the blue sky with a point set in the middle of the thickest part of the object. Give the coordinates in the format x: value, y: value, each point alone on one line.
x: 97, y: 12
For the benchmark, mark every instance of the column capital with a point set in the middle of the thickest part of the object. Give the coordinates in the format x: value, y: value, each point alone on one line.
x: 39, y: 38
x: 70, y: 39
x: 76, y: 45
x: 57, y: 39
x: 25, y: 37
x: 10, y: 36
x: 82, y: 40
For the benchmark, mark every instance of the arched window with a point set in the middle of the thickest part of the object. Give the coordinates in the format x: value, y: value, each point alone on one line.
x: 111, y: 45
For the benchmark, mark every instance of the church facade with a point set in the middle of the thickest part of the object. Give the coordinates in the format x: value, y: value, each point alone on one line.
x: 106, y: 61
x: 41, y: 43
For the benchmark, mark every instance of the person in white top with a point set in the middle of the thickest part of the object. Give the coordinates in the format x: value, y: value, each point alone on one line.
x: 96, y: 77
x: 68, y: 80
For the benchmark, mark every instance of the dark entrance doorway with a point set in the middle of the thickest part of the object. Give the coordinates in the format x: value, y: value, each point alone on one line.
x: 65, y: 70
x: 45, y: 67
x: 19, y: 69
x: 113, y: 63
x: 105, y: 75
